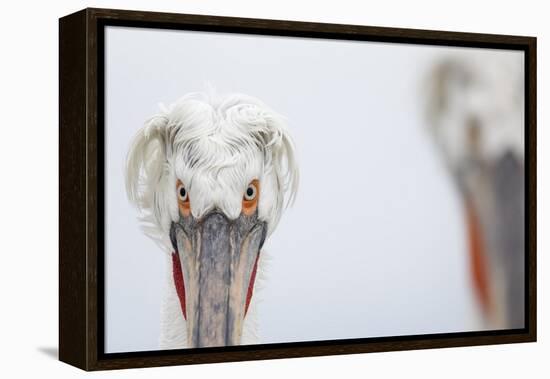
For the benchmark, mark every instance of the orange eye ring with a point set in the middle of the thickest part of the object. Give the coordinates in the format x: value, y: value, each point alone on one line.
x: 184, y: 204
x: 251, y: 197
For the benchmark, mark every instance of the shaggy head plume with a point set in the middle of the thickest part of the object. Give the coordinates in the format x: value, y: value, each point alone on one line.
x: 216, y: 146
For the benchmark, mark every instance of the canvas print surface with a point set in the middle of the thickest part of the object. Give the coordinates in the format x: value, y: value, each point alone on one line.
x: 264, y: 189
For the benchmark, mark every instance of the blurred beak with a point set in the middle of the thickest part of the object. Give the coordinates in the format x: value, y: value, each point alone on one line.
x: 218, y: 260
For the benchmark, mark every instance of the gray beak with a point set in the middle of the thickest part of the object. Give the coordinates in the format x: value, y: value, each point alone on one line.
x: 218, y: 257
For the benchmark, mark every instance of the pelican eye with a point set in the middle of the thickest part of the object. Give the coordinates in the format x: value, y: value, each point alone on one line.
x: 250, y: 193
x: 184, y: 204
x: 250, y: 197
x: 182, y: 193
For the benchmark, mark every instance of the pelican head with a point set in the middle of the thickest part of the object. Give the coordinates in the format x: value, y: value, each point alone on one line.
x: 211, y: 177
x: 476, y: 116
x: 475, y: 110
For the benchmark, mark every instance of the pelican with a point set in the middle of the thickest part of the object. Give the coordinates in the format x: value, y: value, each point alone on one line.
x: 210, y: 176
x: 476, y: 117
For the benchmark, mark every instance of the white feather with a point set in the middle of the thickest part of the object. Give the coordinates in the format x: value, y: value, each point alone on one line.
x: 216, y: 146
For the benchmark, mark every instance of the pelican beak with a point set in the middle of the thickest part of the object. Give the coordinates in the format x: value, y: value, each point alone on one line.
x: 218, y: 259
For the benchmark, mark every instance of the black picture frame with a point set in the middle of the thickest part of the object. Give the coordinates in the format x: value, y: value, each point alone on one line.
x: 81, y: 162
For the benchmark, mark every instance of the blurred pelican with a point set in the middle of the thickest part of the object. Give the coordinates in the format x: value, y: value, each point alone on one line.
x: 476, y: 116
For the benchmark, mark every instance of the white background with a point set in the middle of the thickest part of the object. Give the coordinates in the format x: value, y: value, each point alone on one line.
x: 375, y: 244
x: 28, y: 280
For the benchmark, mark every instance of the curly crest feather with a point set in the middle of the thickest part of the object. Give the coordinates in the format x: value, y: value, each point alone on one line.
x: 215, y: 146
